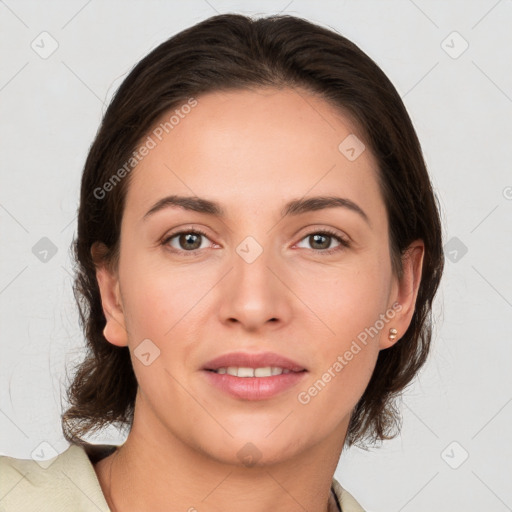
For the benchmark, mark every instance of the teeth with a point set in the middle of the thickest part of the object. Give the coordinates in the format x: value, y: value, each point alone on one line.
x: 267, y: 371
x: 262, y: 372
x: 243, y: 372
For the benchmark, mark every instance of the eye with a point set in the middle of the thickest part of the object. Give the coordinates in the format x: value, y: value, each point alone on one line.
x: 186, y: 241
x: 320, y: 241
x: 191, y: 241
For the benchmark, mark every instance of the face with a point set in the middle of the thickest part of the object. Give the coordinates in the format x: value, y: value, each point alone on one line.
x: 311, y: 282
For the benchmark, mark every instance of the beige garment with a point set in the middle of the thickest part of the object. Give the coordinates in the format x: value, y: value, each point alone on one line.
x: 68, y: 483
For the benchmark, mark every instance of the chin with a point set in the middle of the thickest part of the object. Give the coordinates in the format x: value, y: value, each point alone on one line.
x: 256, y: 448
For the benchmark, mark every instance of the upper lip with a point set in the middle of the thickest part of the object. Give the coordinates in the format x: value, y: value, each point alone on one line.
x: 257, y: 360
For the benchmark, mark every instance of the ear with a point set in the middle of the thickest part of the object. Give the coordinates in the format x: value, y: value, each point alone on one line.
x: 405, y: 292
x: 108, y: 282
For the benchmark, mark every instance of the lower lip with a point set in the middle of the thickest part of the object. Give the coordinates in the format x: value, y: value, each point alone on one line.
x: 254, y: 388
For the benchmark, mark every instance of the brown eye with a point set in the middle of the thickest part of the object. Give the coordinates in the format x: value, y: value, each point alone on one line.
x: 186, y: 241
x: 189, y: 241
x: 321, y: 241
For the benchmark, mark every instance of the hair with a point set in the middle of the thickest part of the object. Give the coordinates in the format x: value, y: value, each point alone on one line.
x: 234, y: 52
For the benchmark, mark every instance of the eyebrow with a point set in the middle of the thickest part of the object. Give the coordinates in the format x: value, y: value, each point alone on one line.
x: 292, y: 208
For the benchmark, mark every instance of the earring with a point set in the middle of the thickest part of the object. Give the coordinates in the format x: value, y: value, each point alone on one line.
x: 392, y: 333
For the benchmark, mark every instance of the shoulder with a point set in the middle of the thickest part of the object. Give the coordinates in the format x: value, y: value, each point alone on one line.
x: 65, y: 482
x: 347, y: 501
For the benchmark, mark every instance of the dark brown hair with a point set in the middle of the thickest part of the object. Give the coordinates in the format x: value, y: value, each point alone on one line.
x: 229, y: 52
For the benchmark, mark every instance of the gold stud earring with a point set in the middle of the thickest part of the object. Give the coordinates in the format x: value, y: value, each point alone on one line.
x: 392, y: 333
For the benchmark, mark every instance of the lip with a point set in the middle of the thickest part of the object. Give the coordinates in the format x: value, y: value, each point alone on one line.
x: 258, y: 360
x: 254, y: 388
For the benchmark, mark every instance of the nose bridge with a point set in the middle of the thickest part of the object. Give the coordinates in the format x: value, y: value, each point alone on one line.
x: 252, y: 264
x: 252, y: 294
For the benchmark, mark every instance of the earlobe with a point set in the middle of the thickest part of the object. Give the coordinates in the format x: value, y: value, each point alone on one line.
x: 406, y: 293
x: 114, y: 331
x: 108, y: 283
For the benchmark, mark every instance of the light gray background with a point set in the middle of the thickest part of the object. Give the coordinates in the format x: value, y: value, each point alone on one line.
x: 461, y: 105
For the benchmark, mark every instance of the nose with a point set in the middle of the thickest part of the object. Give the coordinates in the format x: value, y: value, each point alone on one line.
x: 255, y: 293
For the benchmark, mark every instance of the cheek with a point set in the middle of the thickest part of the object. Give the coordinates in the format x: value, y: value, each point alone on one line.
x: 157, y: 295
x: 347, y: 298
x: 351, y: 304
x: 331, y: 395
x: 165, y: 304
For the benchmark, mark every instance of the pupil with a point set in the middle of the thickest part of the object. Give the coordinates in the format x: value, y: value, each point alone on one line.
x: 316, y: 239
x: 190, y: 238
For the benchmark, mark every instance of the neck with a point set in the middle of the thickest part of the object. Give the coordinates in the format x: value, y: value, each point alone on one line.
x: 147, y: 473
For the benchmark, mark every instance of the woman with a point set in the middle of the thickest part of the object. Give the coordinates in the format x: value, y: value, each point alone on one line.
x: 258, y: 250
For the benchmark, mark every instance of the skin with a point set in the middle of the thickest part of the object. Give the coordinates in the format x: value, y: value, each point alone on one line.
x: 182, y: 448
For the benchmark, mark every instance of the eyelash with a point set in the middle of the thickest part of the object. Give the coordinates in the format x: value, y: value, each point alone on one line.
x: 344, y: 244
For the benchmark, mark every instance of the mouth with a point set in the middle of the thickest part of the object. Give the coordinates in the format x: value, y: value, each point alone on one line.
x: 264, y: 364
x: 253, y: 376
x: 244, y: 372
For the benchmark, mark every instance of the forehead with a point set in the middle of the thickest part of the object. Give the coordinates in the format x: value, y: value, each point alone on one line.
x: 248, y: 148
